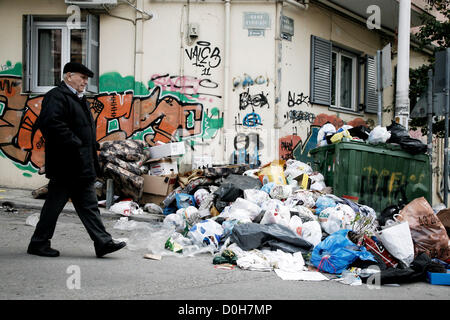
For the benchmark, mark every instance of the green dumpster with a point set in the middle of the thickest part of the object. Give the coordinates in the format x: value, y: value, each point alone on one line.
x: 374, y: 175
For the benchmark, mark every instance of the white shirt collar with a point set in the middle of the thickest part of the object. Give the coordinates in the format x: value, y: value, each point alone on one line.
x: 80, y: 95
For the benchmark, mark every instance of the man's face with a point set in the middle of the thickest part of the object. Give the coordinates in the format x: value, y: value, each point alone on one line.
x: 77, y: 80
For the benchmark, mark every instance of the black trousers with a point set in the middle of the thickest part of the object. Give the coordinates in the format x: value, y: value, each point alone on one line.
x: 84, y: 199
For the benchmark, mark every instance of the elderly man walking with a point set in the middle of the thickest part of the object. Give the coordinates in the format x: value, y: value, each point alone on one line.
x: 71, y: 163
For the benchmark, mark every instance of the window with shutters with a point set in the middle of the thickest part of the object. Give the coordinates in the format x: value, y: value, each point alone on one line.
x: 341, y: 78
x: 49, y: 43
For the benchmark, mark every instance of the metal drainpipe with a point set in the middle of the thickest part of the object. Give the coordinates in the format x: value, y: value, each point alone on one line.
x: 401, y: 96
x: 226, y: 79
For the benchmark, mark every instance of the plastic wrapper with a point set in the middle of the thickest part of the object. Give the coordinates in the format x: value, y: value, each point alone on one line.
x: 32, y: 220
x: 129, y: 225
x: 273, y: 172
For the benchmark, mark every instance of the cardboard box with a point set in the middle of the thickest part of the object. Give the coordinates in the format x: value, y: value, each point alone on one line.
x: 159, y: 185
x: 167, y: 150
x: 152, y: 198
x: 163, y: 167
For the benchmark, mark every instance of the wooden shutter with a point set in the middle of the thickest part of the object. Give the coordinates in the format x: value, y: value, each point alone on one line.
x: 93, y: 51
x: 370, y: 83
x: 320, y: 71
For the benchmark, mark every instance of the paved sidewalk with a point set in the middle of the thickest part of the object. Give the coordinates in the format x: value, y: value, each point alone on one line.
x: 22, y: 198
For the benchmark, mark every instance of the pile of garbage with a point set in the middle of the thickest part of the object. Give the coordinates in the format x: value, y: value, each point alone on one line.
x: 395, y: 133
x: 282, y: 217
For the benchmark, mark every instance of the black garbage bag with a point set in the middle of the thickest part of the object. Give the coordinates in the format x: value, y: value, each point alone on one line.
x: 416, y: 272
x: 250, y: 236
x: 401, y: 136
x: 361, y: 132
x: 413, y: 146
x: 234, y: 185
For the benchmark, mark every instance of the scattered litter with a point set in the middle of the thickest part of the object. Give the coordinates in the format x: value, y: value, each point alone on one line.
x: 32, y: 220
x: 152, y: 256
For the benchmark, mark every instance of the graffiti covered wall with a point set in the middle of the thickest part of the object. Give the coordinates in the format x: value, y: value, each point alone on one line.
x: 165, y: 115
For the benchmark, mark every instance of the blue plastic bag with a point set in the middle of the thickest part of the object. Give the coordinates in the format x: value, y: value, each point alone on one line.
x: 324, y: 202
x: 336, y: 252
x: 184, y: 200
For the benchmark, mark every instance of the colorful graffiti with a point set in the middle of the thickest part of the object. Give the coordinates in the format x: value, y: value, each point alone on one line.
x: 151, y: 117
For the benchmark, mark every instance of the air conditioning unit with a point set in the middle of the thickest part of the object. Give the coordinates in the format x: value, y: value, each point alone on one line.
x: 92, y: 4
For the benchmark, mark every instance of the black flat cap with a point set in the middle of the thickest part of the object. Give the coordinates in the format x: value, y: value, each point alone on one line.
x: 77, y: 67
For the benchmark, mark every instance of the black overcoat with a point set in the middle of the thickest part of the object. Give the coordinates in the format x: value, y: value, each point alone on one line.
x: 69, y: 133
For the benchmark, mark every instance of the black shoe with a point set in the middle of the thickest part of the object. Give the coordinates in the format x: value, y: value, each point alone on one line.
x: 109, y: 247
x: 43, y: 251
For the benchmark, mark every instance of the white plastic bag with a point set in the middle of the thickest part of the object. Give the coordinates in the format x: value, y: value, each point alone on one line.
x: 175, y: 220
x: 242, y: 204
x: 295, y: 224
x: 200, y: 195
x: 294, y: 168
x: 276, y: 213
x: 302, y: 197
x: 379, y: 134
x: 397, y: 240
x: 206, y: 233
x: 281, y: 192
x: 331, y: 220
x: 326, y: 129
x: 256, y: 196
x: 336, y: 218
x: 153, y: 208
x: 126, y: 208
x: 312, y: 232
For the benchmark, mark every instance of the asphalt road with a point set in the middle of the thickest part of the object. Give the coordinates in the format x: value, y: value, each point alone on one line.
x: 125, y: 275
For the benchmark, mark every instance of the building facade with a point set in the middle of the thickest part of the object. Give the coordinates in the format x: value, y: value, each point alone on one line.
x: 239, y: 81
